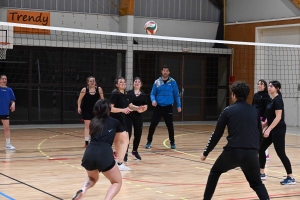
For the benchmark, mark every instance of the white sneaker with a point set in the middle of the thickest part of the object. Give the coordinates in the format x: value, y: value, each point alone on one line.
x: 123, y: 167
x: 10, y: 147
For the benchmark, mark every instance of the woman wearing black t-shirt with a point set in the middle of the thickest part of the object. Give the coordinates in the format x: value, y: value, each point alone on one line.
x: 260, y: 101
x: 99, y: 156
x: 138, y: 98
x: 88, y: 96
x: 121, y: 106
x: 275, y: 133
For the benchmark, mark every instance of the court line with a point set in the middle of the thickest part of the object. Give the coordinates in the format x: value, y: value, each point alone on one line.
x: 61, y: 162
x: 192, y: 155
x: 5, y: 195
x: 30, y: 186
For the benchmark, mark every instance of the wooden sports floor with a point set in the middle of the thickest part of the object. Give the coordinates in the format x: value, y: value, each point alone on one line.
x: 46, y: 165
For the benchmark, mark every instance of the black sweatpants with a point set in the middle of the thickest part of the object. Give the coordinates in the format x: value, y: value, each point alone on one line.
x: 277, y: 137
x: 135, y: 120
x: 231, y: 158
x: 167, y: 113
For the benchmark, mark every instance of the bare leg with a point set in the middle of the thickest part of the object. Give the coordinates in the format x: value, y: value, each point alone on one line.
x: 6, y: 128
x: 93, y: 177
x: 87, y: 130
x: 115, y: 178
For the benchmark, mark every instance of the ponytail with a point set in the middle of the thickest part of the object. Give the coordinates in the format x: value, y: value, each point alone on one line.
x: 101, y: 112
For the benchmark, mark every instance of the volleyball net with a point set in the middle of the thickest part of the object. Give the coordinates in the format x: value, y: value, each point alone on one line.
x: 52, y: 63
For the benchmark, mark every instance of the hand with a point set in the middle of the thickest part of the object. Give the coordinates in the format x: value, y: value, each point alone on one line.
x: 264, y: 124
x: 267, y: 132
x: 154, y: 103
x: 12, y: 107
x: 141, y: 109
x: 179, y: 110
x: 79, y: 110
x: 203, y: 157
x: 126, y: 110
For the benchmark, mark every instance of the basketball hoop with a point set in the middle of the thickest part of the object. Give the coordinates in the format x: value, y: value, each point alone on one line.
x: 3, y: 47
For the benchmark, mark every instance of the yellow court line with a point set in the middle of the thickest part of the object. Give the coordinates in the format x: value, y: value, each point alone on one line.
x: 66, y: 164
x: 182, y: 152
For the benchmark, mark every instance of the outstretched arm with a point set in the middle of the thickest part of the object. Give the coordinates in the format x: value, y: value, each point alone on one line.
x: 216, y: 135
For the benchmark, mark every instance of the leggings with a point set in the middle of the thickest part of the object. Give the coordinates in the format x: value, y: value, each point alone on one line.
x: 167, y: 113
x: 277, y: 137
x: 230, y: 159
x: 136, y: 121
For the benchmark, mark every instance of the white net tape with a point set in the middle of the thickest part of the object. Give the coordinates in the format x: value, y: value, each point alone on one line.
x: 3, y: 49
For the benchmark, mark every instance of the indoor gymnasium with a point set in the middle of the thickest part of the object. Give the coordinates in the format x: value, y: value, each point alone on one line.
x: 149, y: 99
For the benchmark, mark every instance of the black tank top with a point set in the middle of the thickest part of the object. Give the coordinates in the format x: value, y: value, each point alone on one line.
x: 89, y: 100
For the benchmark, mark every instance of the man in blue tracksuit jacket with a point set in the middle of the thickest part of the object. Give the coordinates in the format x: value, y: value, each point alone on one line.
x: 163, y: 93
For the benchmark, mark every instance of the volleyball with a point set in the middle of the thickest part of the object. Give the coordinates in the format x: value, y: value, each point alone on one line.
x: 150, y: 27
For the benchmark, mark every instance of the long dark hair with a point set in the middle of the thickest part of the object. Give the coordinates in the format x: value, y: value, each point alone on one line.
x: 116, y: 82
x: 265, y: 84
x: 276, y: 85
x: 101, y: 112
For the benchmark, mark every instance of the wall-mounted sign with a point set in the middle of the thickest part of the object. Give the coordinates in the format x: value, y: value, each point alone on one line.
x: 29, y: 17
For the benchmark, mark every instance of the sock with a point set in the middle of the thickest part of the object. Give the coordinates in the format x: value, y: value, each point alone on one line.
x: 7, y: 141
x: 86, y: 138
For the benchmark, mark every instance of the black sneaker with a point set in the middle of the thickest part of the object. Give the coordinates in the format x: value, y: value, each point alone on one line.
x: 126, y: 157
x: 78, y: 195
x: 136, y: 155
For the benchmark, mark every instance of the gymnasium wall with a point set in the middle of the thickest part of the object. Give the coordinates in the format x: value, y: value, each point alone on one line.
x: 167, y: 27
x: 244, y: 62
x: 255, y: 10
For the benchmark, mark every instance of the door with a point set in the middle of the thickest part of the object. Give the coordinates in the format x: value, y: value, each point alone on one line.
x: 193, y: 88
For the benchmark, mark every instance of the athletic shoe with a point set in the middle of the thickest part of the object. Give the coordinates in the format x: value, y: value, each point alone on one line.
x: 126, y: 157
x: 136, y: 155
x: 10, y: 147
x: 263, y: 176
x: 173, y: 146
x: 268, y: 157
x: 78, y: 195
x: 288, y: 181
x: 148, y: 145
x: 123, y: 167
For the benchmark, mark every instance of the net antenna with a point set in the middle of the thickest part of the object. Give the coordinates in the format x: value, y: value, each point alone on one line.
x: 3, y: 48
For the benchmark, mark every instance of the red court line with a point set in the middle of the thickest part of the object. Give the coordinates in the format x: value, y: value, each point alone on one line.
x: 271, y: 196
x: 190, y: 184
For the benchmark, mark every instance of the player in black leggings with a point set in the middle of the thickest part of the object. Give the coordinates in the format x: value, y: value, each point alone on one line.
x: 99, y: 156
x: 275, y: 133
x: 138, y: 98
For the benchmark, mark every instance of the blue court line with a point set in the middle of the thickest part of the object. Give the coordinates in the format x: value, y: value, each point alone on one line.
x: 8, y: 197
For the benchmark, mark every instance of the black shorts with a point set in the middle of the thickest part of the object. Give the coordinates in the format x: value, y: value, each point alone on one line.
x: 3, y: 117
x: 98, y: 156
x: 87, y: 115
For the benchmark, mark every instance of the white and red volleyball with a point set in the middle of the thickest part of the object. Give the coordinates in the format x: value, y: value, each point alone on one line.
x: 150, y: 27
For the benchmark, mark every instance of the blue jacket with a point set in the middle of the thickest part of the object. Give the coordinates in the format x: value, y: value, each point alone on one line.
x: 164, y: 94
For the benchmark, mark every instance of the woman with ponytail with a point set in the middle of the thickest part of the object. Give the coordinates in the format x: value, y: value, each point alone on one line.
x: 99, y: 156
x: 275, y: 130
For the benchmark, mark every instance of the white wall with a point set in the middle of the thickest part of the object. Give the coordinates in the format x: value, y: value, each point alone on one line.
x: 179, y: 28
x: 254, y: 10
x: 113, y: 23
x: 282, y: 64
